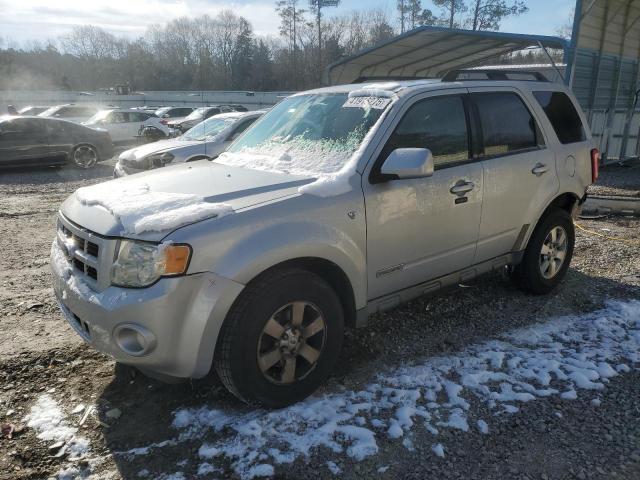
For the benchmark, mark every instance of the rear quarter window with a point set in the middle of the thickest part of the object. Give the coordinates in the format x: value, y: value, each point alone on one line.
x: 562, y: 115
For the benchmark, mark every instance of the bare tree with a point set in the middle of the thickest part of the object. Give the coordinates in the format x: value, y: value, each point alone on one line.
x: 89, y: 41
x: 402, y: 13
x: 316, y: 7
x: 451, y: 9
x: 414, y: 12
x: 487, y: 14
x: 291, y: 17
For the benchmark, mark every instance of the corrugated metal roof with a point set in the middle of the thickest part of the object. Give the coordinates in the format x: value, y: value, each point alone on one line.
x: 605, y: 65
x: 430, y: 52
x: 611, y: 26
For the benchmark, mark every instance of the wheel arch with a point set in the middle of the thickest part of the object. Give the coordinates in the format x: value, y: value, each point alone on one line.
x: 330, y: 272
x: 567, y: 201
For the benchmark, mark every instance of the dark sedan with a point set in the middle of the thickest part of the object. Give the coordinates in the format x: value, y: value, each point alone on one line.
x: 27, y: 141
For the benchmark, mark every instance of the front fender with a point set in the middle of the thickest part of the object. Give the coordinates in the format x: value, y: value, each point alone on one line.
x: 284, y: 242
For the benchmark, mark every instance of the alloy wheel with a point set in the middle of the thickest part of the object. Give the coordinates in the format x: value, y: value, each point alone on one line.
x: 553, y: 252
x: 85, y: 156
x: 291, y: 342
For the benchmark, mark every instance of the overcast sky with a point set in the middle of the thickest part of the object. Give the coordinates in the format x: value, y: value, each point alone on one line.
x: 24, y: 20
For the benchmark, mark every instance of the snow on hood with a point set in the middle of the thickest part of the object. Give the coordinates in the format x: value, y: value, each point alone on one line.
x: 140, y: 209
x: 156, y: 147
x: 148, y: 205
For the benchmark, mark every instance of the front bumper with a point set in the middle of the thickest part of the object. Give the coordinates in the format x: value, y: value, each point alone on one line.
x: 176, y: 321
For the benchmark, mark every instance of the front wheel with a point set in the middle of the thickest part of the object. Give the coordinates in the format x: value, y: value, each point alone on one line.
x: 84, y: 156
x: 281, y: 338
x: 548, y: 254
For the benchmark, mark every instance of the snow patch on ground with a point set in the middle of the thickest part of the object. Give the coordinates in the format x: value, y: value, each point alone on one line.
x: 569, y: 354
x: 139, y: 209
x: 47, y: 419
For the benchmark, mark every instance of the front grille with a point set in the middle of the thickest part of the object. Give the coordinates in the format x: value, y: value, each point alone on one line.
x: 83, y: 249
x: 92, y: 272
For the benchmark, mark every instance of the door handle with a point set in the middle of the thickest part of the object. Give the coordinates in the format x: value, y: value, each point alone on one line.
x: 539, y: 169
x: 462, y: 187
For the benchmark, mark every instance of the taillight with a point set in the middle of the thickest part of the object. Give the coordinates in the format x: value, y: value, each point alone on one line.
x: 595, y: 164
x: 164, y: 121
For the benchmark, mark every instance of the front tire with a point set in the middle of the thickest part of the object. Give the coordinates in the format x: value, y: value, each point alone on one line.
x: 281, y: 338
x: 548, y: 254
x: 84, y: 156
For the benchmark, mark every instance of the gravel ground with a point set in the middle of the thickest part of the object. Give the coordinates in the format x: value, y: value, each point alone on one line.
x: 618, y: 180
x: 550, y: 438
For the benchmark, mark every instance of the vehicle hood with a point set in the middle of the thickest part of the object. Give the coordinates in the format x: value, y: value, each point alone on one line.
x: 143, y: 151
x: 151, y: 204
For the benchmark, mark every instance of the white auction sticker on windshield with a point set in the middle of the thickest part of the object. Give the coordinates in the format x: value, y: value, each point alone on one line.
x: 379, y: 103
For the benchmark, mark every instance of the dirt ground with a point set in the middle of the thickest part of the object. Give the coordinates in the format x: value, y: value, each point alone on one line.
x: 39, y: 353
x: 619, y: 180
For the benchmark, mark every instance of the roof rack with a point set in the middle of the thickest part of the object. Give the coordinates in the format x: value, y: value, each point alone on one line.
x: 384, y: 78
x: 489, y: 74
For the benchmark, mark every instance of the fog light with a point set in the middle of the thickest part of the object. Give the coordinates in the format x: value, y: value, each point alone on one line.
x: 134, y: 340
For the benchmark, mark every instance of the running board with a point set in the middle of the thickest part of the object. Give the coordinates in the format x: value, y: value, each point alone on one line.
x: 430, y: 287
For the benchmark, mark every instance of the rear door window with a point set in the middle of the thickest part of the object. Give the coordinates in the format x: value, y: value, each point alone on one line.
x: 506, y: 124
x: 563, y: 116
x: 120, y: 117
x: 138, y: 117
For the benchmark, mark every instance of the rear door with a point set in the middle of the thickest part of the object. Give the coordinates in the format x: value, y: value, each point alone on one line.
x: 424, y: 228
x: 120, y: 126
x: 519, y: 170
x: 573, y: 144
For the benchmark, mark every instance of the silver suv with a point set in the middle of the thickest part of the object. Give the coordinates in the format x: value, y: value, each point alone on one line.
x: 338, y: 203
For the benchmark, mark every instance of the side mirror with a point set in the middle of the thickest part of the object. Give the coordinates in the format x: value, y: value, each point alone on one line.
x: 405, y: 163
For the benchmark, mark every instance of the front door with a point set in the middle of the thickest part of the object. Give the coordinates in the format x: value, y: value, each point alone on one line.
x: 421, y: 229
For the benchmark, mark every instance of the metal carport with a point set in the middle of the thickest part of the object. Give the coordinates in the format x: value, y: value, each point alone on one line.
x: 431, y: 52
x: 604, y: 59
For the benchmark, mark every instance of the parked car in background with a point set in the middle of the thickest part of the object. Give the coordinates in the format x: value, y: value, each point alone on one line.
x: 71, y: 112
x: 202, y: 113
x: 204, y: 141
x: 125, y: 125
x: 31, y: 110
x: 238, y: 108
x: 168, y: 114
x: 27, y: 141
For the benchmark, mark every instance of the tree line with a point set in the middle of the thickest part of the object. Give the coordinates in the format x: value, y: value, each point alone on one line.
x: 223, y: 52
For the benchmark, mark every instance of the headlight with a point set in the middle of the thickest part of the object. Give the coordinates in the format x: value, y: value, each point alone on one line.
x: 139, y: 264
x: 159, y: 160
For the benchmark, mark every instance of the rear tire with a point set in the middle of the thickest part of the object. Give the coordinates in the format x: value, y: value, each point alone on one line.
x: 548, y: 254
x: 281, y: 338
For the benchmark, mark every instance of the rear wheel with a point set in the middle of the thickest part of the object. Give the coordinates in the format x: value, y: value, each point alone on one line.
x: 84, y: 156
x: 548, y: 254
x: 281, y: 338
